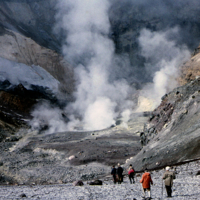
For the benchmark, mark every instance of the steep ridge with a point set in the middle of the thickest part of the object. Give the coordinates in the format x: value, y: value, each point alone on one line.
x: 173, y: 134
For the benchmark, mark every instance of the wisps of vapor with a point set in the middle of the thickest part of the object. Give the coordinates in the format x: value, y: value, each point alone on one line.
x: 48, y: 119
x: 99, y: 99
x: 163, y: 58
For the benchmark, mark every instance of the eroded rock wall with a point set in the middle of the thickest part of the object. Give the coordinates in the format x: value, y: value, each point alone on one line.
x: 174, y: 131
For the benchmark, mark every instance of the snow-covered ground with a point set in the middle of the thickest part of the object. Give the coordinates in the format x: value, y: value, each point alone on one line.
x: 186, y: 186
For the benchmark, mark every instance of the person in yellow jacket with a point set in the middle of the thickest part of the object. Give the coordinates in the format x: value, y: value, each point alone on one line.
x: 168, y: 177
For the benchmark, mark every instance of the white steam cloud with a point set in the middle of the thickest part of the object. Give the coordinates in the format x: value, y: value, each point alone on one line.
x: 48, y: 119
x: 99, y: 98
x: 163, y: 57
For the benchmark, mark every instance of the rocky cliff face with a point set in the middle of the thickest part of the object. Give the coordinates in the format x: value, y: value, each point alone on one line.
x: 172, y: 134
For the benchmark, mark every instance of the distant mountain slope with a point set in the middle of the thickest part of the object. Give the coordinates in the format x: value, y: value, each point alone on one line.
x: 33, y: 19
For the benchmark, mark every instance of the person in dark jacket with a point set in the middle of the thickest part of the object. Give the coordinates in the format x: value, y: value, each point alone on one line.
x: 146, y: 181
x: 119, y: 174
x: 168, y: 177
x: 131, y: 173
x: 114, y: 173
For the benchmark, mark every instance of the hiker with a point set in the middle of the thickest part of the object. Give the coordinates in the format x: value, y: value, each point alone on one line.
x: 146, y: 181
x: 168, y: 177
x: 119, y: 174
x: 113, y: 173
x: 131, y: 173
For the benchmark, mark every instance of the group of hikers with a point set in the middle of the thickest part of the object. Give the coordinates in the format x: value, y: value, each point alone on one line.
x: 146, y: 180
x: 117, y: 174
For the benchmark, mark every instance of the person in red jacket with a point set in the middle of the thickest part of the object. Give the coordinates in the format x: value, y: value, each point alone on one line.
x: 146, y: 183
x: 131, y: 173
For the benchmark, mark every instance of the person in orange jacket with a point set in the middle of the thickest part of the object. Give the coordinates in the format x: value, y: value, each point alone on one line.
x: 146, y: 183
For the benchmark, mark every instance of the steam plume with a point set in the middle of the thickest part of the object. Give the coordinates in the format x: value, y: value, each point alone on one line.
x: 163, y: 58
x: 100, y: 98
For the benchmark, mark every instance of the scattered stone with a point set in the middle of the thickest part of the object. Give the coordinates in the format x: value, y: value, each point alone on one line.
x: 158, y: 163
x: 78, y: 183
x: 23, y: 195
x: 96, y: 182
x: 198, y: 173
x: 71, y: 157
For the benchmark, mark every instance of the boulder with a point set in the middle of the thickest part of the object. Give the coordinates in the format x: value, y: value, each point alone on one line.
x: 78, y: 183
x: 96, y: 182
x: 198, y: 173
x: 23, y: 195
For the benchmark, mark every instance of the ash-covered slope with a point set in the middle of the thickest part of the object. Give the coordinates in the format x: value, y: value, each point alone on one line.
x: 36, y: 158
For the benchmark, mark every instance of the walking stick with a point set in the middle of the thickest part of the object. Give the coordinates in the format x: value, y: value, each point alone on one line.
x: 162, y: 188
x: 143, y: 191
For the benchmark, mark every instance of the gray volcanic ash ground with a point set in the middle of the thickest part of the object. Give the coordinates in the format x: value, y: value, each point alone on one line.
x: 186, y: 186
